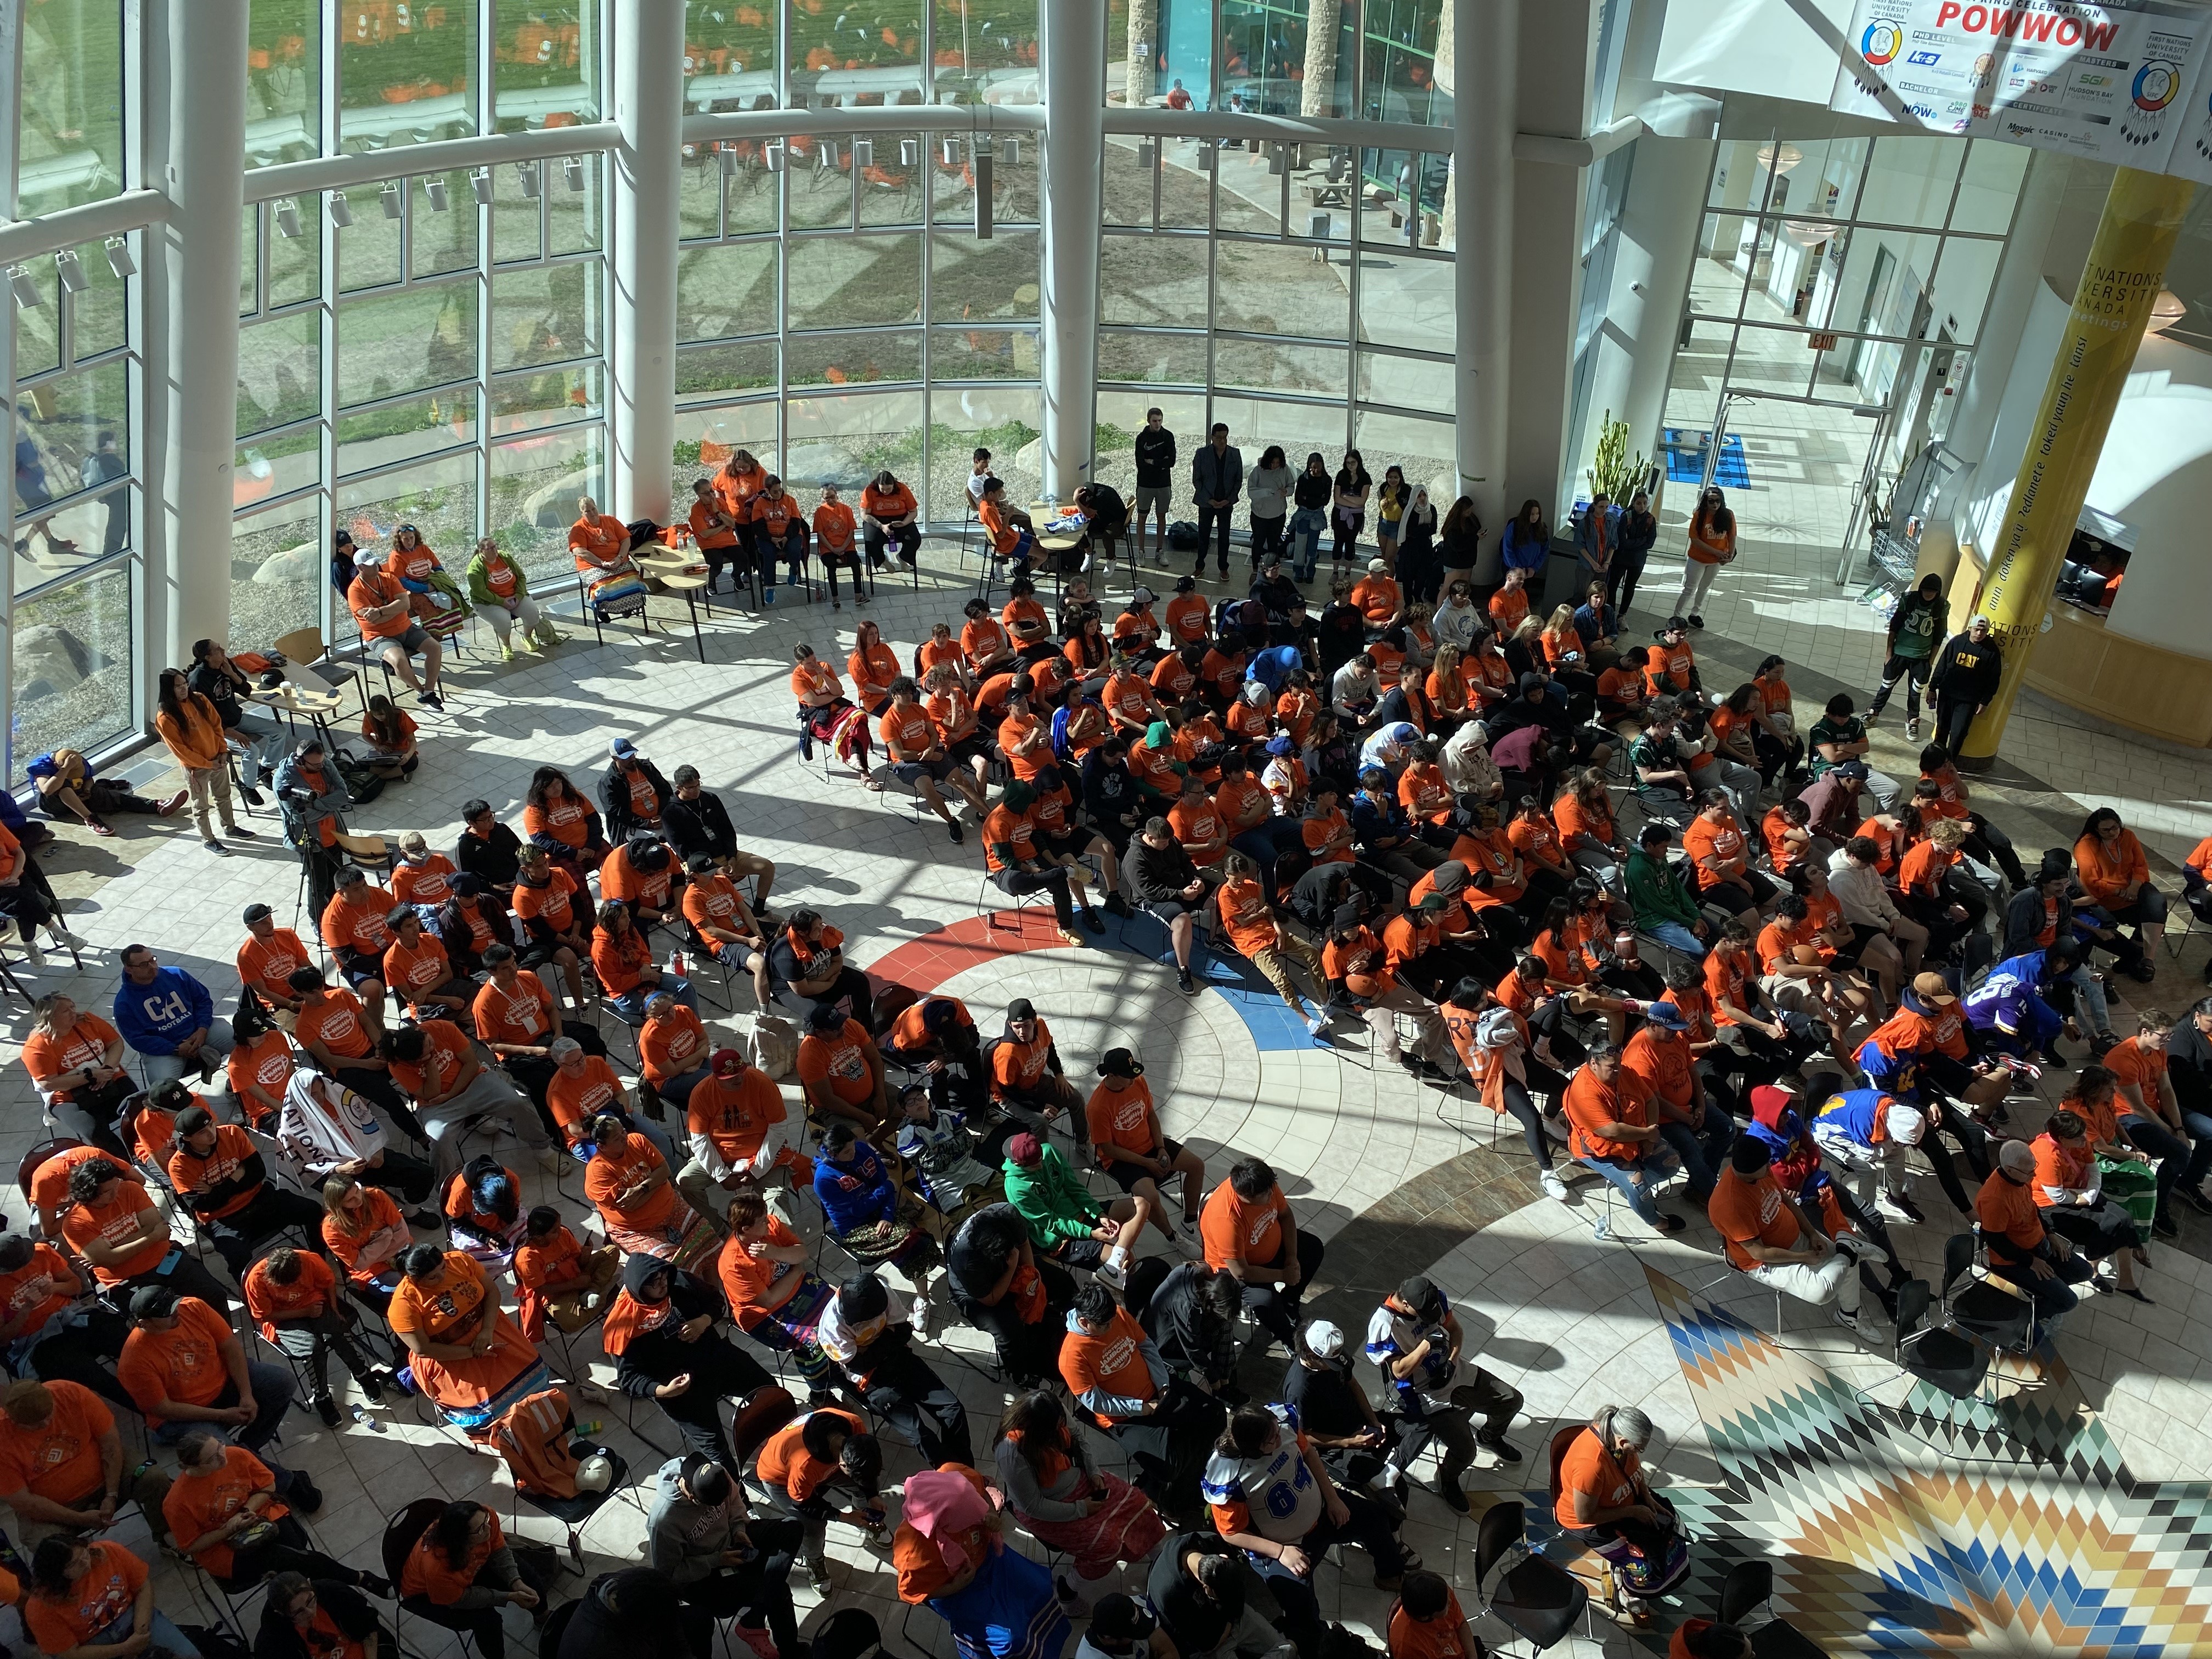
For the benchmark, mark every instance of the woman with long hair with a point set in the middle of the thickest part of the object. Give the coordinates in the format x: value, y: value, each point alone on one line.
x: 97, y: 1597
x: 1067, y: 1502
x: 1526, y: 542
x: 1268, y: 490
x: 826, y: 715
x: 1632, y: 538
x: 389, y: 732
x: 1419, y: 570
x: 1311, y: 496
x: 1350, y: 514
x: 365, y: 1233
x: 462, y: 1574
x: 2115, y: 881
x: 1459, y: 542
x: 560, y: 818
x: 1389, y: 513
x: 1712, y: 544
x: 191, y: 727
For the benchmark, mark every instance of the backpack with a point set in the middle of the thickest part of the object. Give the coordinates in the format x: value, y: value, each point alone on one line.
x: 362, y: 780
x: 1059, y: 733
x: 1182, y: 536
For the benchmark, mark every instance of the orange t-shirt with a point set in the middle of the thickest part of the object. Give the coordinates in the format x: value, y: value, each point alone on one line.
x: 785, y: 1465
x: 333, y: 1018
x: 358, y: 920
x: 1231, y: 1229
x: 59, y: 1460
x: 444, y: 1049
x: 1722, y: 842
x: 127, y: 1201
x: 370, y: 590
x: 907, y: 732
x: 1609, y: 1482
x: 264, y: 964
x: 1591, y: 1104
x: 1750, y: 1212
x: 191, y: 1172
x: 567, y: 820
x: 1123, y: 1119
x: 672, y: 1045
x: 1113, y: 1364
x: 522, y: 1015
x: 551, y: 901
x: 87, y: 1044
x: 1245, y: 916
x: 315, y: 1289
x: 105, y: 1593
x: 835, y: 527
x: 608, y: 1175
x: 574, y: 1098
x: 429, y: 1573
x: 185, y: 1363
x: 200, y: 1502
x: 412, y: 973
x: 840, y: 1061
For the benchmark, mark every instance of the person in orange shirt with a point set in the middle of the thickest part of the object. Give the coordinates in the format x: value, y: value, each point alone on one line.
x: 985, y: 643
x: 888, y: 510
x: 837, y: 538
x: 560, y: 818
x: 1611, y: 1132
x: 1508, y: 605
x: 1246, y: 1230
x: 629, y: 1183
x: 716, y: 535
x: 294, y: 1295
x: 1603, y: 1494
x: 2041, y: 1264
x: 461, y: 1574
x: 2115, y: 880
x: 622, y: 960
x: 1012, y: 860
x: 75, y: 1059
x: 557, y: 927
x: 873, y: 666
x: 61, y: 1462
x: 599, y: 542
x: 916, y: 757
x: 1428, y: 1622
x: 516, y: 1019
x: 188, y: 723
x: 1712, y: 544
x: 1009, y: 540
x: 451, y: 1086
x: 383, y: 609
x: 223, y: 1510
x: 420, y: 973
x: 722, y: 924
x: 1770, y: 1238
x: 779, y: 527
x: 1378, y: 597
x: 557, y: 1277
x: 184, y: 1366
x: 218, y: 1174
x: 95, y: 1598
x: 465, y: 1350
x: 1719, y: 851
x: 1136, y: 1153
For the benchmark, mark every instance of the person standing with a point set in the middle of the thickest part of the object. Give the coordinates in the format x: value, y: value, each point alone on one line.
x: 223, y: 682
x: 1155, y: 459
x: 1712, y: 544
x: 1271, y: 484
x: 1217, y: 479
x: 192, y: 728
x: 1911, y: 651
x: 1632, y: 538
x: 1966, y: 677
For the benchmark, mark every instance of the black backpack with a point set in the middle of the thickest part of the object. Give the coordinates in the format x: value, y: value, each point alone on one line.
x: 1182, y: 536
x: 362, y: 781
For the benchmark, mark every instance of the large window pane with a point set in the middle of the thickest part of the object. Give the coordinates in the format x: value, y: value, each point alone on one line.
x: 555, y: 397
x: 39, y: 327
x: 820, y: 182
x: 747, y: 367
x: 90, y: 527
x: 838, y: 282
x: 1121, y: 412
x: 99, y: 313
x: 1278, y: 288
x: 368, y: 248
x: 865, y: 52
x: 546, y: 315
x: 535, y: 484
x: 1128, y: 181
x: 1401, y: 46
x: 1405, y: 382
x: 699, y: 198
x: 729, y: 58
x: 987, y: 52
x: 1405, y: 301
x: 70, y: 658
x: 983, y: 354
x: 1301, y: 428
x: 1007, y: 420
x: 726, y: 290
x: 1151, y: 359
x: 853, y: 359
x: 973, y: 280
x: 277, y: 463
x: 1423, y: 449
x: 575, y: 204
x: 421, y: 338
x: 407, y: 73
x: 69, y: 136
x: 444, y: 240
x: 1250, y: 198
x: 280, y: 372
x: 517, y: 228
x: 439, y: 499
x: 1271, y: 366
x: 848, y: 439
x: 296, y: 262
x: 1910, y: 179
x: 1989, y: 187
x: 71, y: 434
x: 545, y: 63
x: 705, y: 436
x: 1157, y: 282
x: 392, y: 432
x: 278, y: 569
x: 894, y: 191
x: 283, y: 83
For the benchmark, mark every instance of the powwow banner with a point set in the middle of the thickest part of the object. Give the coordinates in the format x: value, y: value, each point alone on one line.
x: 2109, y: 82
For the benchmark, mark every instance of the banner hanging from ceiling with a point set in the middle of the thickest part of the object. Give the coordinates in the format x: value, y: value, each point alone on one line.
x: 2113, y: 83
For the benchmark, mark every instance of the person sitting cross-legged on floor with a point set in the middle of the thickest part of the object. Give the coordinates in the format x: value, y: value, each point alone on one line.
x: 1271, y: 1496
x: 1771, y: 1240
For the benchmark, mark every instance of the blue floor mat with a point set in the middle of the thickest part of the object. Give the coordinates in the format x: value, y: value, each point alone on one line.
x: 1686, y: 459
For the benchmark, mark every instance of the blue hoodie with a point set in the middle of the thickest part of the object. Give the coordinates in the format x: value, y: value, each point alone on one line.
x: 854, y: 1194
x: 154, y: 1018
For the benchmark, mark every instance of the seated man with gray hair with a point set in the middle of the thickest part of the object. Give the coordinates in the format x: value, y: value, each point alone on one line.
x: 1601, y: 1497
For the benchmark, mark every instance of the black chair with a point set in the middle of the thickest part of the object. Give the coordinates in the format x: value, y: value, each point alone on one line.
x: 401, y: 1533
x: 1749, y: 1587
x: 1933, y: 1354
x: 1536, y: 1598
x: 849, y: 1633
x: 557, y: 1626
x: 1988, y: 1310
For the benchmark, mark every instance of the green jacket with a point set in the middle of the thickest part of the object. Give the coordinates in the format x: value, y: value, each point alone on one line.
x: 480, y: 581
x: 1654, y: 893
x: 1052, y: 1199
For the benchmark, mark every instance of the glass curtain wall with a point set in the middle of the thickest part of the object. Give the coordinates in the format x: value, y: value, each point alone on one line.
x: 428, y: 349
x: 76, y: 398
x: 1229, y: 291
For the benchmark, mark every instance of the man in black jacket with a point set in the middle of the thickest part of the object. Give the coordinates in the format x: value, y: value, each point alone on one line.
x: 1111, y: 794
x: 1967, y: 669
x: 661, y: 1333
x: 633, y: 794
x: 1171, y: 887
x: 488, y: 849
x: 695, y: 820
x: 1155, y: 459
x: 1192, y: 1316
x: 2037, y: 916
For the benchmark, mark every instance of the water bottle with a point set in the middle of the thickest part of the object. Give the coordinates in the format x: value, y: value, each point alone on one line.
x: 366, y: 1419
x: 676, y: 963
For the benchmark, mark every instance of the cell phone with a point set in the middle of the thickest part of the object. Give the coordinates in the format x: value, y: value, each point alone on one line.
x: 176, y: 1253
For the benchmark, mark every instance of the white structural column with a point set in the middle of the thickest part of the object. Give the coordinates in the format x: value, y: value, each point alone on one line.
x: 1073, y: 62
x: 199, y: 136
x: 1485, y: 118
x: 648, y: 174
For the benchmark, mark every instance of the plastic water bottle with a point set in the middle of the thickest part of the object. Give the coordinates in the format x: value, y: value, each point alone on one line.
x: 367, y: 1418
x: 676, y: 963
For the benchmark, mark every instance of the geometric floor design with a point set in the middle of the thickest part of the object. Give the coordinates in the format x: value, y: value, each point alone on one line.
x: 1945, y: 1527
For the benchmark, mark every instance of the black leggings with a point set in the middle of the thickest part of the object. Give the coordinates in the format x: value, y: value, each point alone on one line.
x: 1519, y: 1103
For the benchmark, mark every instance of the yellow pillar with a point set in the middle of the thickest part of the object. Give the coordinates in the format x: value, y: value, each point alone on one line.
x: 2126, y: 268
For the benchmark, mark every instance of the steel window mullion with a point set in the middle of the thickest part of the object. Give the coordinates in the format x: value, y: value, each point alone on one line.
x: 928, y: 266
x: 330, y: 95
x: 83, y: 572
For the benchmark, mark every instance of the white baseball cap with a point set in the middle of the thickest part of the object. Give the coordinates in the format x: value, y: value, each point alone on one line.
x: 1324, y: 1339
x: 1907, y: 1123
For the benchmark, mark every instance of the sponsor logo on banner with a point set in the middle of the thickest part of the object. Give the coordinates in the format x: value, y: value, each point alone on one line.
x: 2109, y: 82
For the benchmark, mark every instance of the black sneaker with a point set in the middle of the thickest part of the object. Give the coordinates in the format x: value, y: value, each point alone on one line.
x: 1455, y: 1497
x: 372, y: 1386
x: 242, y: 834
x: 1185, y: 984
x: 1116, y: 906
x: 1506, y: 1450
x: 251, y: 797
x: 2194, y: 1199
x: 1090, y: 920
x: 2101, y: 1042
x: 952, y: 834
x: 431, y: 700
x: 305, y: 1496
x: 2162, y: 1225
x: 327, y: 1409
x: 1695, y: 620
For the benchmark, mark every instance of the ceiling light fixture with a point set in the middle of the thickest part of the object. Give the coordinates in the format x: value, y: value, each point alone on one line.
x: 341, y: 210
x: 70, y: 269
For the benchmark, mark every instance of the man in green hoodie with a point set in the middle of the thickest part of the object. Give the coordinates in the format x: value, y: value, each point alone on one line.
x: 1662, y: 908
x: 1065, y: 1221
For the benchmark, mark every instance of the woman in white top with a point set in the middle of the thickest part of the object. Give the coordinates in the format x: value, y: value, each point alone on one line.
x: 1268, y: 490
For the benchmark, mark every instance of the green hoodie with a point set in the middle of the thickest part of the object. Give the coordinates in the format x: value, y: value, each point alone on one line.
x: 1654, y: 893
x: 1050, y: 1198
x: 480, y: 581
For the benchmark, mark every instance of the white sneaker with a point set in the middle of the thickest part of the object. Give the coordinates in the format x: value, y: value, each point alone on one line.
x: 925, y: 1318
x: 33, y: 955
x: 1112, y: 1273
x: 1554, y: 1186
x: 67, y: 938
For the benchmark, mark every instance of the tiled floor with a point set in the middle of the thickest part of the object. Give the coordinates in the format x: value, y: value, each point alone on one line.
x: 1369, y: 1159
